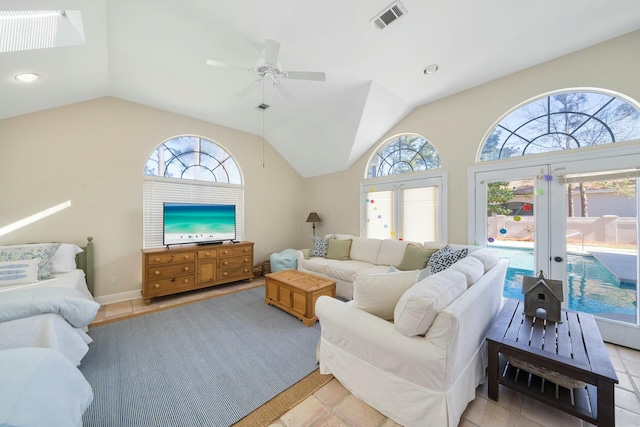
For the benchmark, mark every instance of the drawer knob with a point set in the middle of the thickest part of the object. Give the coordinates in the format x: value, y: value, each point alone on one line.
x: 225, y: 252
x: 246, y: 260
x: 186, y: 269
x: 186, y: 257
x: 157, y: 285
x: 246, y: 270
x: 157, y: 259
x: 207, y: 254
x: 225, y: 263
x: 186, y: 281
x: 225, y: 274
x: 246, y: 249
x: 157, y: 273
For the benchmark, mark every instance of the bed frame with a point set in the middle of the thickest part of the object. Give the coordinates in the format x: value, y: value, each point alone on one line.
x: 84, y: 260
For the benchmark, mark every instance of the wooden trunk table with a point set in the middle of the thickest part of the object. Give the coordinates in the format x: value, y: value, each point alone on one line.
x: 296, y: 293
x: 525, y: 352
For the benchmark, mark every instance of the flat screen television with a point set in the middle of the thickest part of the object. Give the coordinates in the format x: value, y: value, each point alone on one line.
x: 197, y: 223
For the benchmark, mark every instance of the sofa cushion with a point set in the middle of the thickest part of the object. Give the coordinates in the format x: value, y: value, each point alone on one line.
x: 445, y: 258
x: 415, y: 258
x: 319, y: 246
x: 418, y: 307
x: 316, y: 265
x: 391, y: 252
x: 338, y: 249
x: 348, y: 270
x: 378, y: 293
x: 472, y: 269
x: 366, y: 250
x: 489, y: 257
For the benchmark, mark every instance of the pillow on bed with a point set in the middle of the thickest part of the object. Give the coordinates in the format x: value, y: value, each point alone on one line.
x: 19, y: 272
x: 24, y: 252
x: 64, y: 259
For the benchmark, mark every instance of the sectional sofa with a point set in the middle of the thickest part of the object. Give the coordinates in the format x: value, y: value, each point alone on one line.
x: 414, y: 349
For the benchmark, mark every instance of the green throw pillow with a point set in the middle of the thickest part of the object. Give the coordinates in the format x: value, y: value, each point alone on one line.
x: 338, y: 249
x: 415, y: 258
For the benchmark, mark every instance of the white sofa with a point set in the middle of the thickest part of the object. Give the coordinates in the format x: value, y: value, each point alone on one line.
x: 417, y: 377
x: 367, y: 256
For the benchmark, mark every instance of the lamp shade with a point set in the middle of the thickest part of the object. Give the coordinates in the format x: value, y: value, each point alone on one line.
x: 313, y: 217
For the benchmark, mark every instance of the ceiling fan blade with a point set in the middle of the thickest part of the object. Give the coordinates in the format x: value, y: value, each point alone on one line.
x: 249, y: 88
x: 271, y: 52
x: 306, y: 75
x: 225, y: 65
x: 284, y: 91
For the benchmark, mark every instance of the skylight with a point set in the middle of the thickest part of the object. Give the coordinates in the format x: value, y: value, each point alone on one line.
x: 39, y: 29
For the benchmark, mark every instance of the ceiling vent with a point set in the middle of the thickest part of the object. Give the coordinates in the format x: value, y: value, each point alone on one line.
x: 389, y: 14
x: 262, y: 107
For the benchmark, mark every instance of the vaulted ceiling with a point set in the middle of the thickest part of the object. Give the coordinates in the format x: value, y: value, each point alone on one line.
x: 154, y: 52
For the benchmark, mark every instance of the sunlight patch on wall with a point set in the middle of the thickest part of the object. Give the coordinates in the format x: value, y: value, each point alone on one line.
x: 33, y: 218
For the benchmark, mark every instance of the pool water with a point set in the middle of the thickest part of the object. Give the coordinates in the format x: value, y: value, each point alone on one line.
x: 591, y: 287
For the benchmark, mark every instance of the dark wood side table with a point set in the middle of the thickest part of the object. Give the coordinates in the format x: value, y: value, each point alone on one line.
x: 571, y: 350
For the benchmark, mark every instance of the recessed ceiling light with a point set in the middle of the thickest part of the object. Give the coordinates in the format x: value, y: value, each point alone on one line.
x: 27, y: 77
x: 430, y: 69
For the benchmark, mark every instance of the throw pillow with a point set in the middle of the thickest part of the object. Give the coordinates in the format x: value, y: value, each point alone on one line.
x: 319, y: 247
x: 471, y: 267
x: 25, y: 252
x: 64, y: 259
x: 488, y: 257
x: 19, y: 272
x: 338, y: 249
x: 419, y: 306
x: 415, y: 258
x: 445, y: 258
x: 378, y: 293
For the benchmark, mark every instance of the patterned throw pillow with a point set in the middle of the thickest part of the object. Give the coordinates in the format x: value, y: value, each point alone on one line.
x: 445, y: 258
x: 19, y: 272
x: 24, y: 252
x: 319, y: 247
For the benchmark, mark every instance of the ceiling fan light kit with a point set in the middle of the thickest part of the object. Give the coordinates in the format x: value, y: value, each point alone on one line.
x: 268, y: 68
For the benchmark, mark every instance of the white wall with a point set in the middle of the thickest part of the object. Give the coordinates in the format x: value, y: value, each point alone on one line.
x: 93, y: 153
x: 456, y: 126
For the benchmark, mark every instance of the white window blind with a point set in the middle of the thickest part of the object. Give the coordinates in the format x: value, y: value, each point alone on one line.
x: 156, y: 191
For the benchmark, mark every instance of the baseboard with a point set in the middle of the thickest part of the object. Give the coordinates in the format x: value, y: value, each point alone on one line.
x: 123, y: 296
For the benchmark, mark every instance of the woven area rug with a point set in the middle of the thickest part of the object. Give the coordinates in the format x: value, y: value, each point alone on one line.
x: 208, y: 363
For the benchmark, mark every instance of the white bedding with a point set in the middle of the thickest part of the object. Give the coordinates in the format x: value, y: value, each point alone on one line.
x: 39, y: 387
x: 48, y: 330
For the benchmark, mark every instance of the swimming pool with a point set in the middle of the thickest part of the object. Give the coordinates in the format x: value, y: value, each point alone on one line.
x: 592, y: 288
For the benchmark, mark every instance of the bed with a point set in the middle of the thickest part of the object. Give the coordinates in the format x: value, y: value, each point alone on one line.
x: 50, y: 306
x: 46, y: 305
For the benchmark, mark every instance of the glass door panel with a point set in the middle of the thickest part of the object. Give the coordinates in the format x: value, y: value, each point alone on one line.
x: 513, y: 220
x: 597, y: 233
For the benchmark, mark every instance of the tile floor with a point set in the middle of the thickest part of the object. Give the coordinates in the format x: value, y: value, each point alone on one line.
x: 333, y: 406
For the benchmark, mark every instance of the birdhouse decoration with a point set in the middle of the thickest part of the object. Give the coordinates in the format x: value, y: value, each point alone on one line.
x: 543, y: 294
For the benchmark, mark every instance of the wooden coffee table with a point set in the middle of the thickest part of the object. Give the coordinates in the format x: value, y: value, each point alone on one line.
x: 571, y: 352
x: 296, y: 293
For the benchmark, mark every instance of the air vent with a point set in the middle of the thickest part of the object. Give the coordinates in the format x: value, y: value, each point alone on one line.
x: 389, y: 14
x: 262, y: 107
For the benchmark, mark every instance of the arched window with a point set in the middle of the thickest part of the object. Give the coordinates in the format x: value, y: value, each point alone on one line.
x: 400, y: 206
x: 192, y: 157
x: 189, y: 169
x: 405, y: 153
x: 562, y: 121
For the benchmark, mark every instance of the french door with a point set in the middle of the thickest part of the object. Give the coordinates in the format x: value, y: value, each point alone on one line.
x: 572, y: 220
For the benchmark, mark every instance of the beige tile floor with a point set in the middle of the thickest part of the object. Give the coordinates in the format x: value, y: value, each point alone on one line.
x: 333, y: 406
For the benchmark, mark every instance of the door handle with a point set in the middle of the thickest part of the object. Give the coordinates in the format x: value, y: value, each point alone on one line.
x: 558, y: 259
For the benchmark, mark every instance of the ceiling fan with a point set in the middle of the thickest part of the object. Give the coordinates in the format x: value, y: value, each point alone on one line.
x: 268, y: 68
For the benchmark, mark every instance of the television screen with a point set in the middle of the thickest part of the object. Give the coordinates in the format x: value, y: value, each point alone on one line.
x: 198, y: 223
